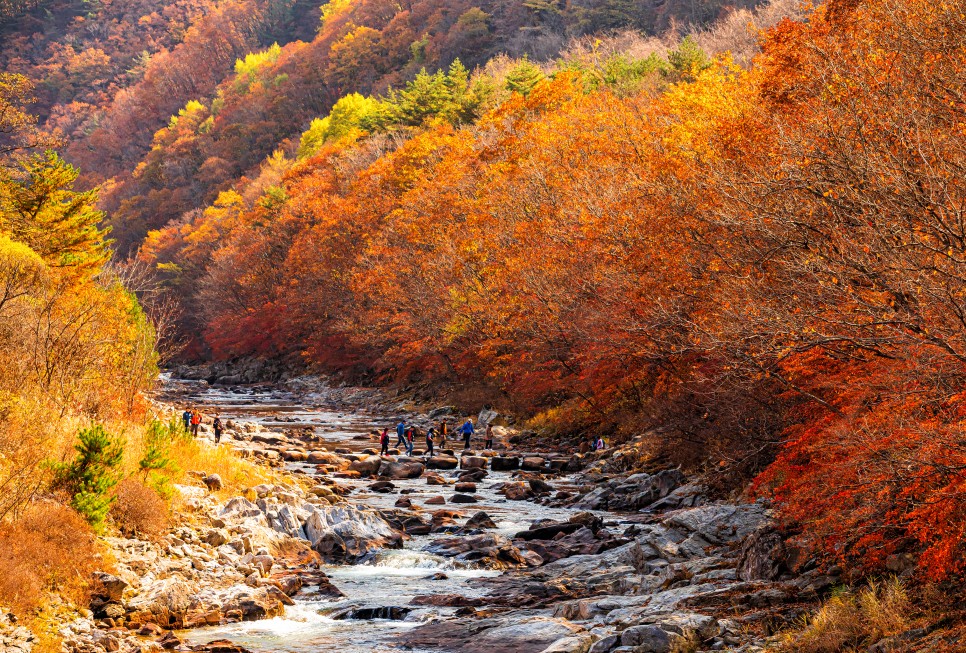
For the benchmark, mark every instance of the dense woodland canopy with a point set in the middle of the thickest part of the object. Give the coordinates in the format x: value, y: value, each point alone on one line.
x: 749, y: 241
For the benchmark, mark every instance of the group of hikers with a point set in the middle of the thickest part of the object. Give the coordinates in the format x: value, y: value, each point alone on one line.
x: 192, y: 420
x: 407, y: 434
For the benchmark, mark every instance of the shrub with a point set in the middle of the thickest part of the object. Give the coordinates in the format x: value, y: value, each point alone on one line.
x: 90, y: 477
x: 138, y: 510
x: 853, y: 620
x: 158, y: 438
x: 50, y: 548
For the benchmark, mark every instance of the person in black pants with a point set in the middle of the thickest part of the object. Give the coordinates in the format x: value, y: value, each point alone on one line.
x: 384, y: 440
x: 429, y: 441
x: 488, y: 442
x: 467, y: 431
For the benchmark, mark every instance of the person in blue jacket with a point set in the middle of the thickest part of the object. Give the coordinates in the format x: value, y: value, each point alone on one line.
x: 401, y: 433
x: 467, y: 431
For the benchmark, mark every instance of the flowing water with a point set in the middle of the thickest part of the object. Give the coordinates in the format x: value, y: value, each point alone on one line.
x: 392, y: 577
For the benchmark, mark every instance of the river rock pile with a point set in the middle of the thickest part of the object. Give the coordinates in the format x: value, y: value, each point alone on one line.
x: 14, y: 638
x: 695, y: 578
x: 235, y: 561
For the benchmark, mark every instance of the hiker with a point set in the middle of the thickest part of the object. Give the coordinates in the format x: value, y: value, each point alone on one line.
x: 410, y: 433
x: 599, y: 445
x: 195, y: 422
x: 443, y: 431
x: 384, y: 440
x: 467, y: 431
x: 186, y: 418
x: 401, y: 433
x: 429, y: 441
x: 488, y: 442
x: 216, y: 425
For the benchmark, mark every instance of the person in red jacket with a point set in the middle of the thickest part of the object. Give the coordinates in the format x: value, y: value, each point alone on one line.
x: 384, y: 440
x: 410, y: 434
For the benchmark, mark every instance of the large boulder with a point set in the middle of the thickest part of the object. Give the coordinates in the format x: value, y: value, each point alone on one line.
x: 366, y: 466
x: 325, y: 458
x: 262, y: 603
x: 720, y: 523
x: 488, y: 549
x: 479, y: 520
x: 401, y: 469
x: 517, y: 632
x: 540, y: 486
x: 646, y: 639
x: 633, y: 493
x: 107, y: 587
x: 533, y: 464
x: 344, y: 533
x: 442, y: 462
x: 517, y: 491
x: 472, y: 475
x: 504, y: 463
x: 548, y: 531
x: 762, y: 556
x: 472, y: 462
x: 164, y: 602
x: 240, y: 507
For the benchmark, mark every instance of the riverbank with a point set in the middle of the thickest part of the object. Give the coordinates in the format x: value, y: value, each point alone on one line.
x: 518, y: 549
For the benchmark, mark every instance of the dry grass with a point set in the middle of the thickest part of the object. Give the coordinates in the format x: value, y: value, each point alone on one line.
x: 139, y: 511
x: 189, y: 454
x: 852, y: 621
x: 236, y: 473
x: 49, y: 549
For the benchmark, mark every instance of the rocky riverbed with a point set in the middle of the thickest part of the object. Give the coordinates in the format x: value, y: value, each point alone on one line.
x: 506, y: 550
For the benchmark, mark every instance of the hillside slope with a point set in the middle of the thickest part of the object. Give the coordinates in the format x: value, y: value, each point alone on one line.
x: 111, y: 74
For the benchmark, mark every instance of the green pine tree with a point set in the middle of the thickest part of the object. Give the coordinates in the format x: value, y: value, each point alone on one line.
x: 90, y: 477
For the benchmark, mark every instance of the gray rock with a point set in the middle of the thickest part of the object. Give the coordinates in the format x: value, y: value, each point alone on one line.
x: 647, y: 639
x: 347, y: 533
x: 762, y: 555
x: 516, y: 632
x: 720, y: 523
x: 605, y: 644
x: 108, y: 587
x: 216, y: 537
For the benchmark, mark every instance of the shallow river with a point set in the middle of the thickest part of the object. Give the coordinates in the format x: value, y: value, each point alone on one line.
x: 393, y: 577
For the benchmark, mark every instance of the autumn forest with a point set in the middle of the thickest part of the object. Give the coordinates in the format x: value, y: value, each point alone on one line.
x: 739, y: 228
